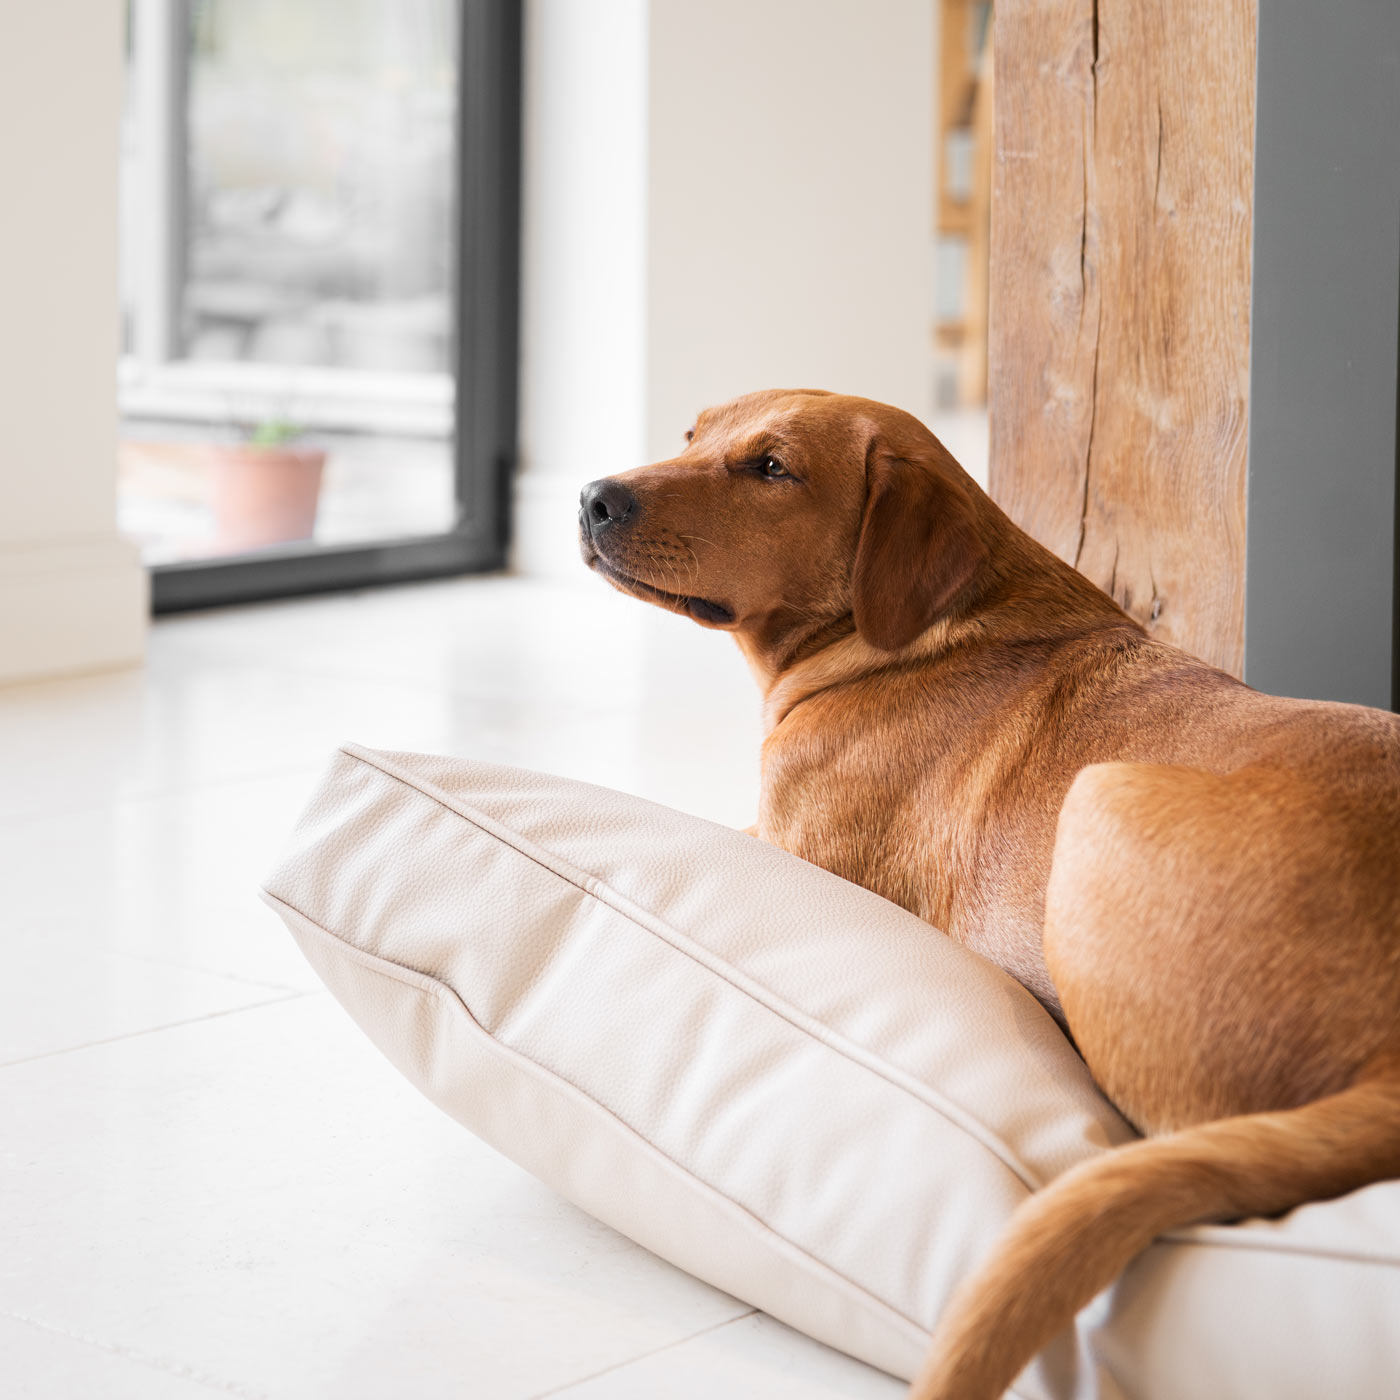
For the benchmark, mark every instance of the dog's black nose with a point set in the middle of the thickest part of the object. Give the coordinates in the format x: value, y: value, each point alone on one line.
x: 606, y: 502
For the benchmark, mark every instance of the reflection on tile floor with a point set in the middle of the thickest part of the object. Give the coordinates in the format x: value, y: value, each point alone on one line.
x: 210, y: 1182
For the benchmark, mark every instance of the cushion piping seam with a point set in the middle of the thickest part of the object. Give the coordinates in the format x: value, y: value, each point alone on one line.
x: 599, y: 890
x: 890, y: 1073
x: 423, y: 982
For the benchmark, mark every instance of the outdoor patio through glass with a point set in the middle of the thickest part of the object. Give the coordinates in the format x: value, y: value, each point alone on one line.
x: 289, y: 199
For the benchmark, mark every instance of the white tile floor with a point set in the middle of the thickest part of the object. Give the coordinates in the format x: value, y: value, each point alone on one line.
x: 210, y: 1182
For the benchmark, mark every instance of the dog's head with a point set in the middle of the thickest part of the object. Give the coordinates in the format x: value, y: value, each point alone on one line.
x: 791, y: 509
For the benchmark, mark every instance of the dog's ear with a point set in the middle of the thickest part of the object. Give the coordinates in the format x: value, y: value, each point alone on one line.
x: 919, y: 544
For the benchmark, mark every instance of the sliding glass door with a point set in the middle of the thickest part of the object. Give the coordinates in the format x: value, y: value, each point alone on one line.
x: 319, y: 227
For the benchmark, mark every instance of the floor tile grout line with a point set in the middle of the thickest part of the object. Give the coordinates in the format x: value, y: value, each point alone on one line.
x: 641, y: 1356
x: 181, y: 789
x: 237, y: 977
x: 137, y: 1358
x: 154, y: 1030
x: 425, y: 685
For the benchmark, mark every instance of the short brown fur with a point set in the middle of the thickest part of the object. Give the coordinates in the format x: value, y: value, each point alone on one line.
x: 1198, y: 881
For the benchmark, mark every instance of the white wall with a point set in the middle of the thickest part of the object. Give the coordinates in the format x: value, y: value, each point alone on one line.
x: 72, y: 594
x: 789, y: 203
x: 718, y: 197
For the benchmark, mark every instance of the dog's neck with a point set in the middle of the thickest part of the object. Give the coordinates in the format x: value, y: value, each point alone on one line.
x: 1024, y: 594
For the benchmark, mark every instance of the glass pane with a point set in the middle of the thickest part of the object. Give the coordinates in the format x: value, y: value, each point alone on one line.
x: 289, y: 173
x: 320, y: 202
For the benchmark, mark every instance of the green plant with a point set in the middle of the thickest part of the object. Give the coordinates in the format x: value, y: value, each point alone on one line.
x: 256, y: 422
x: 273, y: 432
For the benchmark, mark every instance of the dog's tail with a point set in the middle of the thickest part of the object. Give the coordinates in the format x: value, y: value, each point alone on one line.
x: 1073, y: 1238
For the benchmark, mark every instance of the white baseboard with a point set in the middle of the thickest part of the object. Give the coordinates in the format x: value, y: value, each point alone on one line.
x: 71, y: 606
x: 545, y: 534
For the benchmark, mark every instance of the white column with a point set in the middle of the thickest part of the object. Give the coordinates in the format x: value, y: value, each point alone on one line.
x: 583, y: 265
x: 73, y: 595
x: 718, y: 197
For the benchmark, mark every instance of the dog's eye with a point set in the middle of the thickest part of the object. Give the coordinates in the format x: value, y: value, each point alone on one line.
x: 771, y: 467
x: 689, y: 434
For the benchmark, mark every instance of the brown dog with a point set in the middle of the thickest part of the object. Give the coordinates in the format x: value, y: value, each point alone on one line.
x: 1200, y: 882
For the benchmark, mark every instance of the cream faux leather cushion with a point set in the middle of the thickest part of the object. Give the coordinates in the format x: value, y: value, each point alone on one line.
x: 779, y: 1081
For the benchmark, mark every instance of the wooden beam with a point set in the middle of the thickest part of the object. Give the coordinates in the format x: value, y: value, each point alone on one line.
x: 1121, y: 228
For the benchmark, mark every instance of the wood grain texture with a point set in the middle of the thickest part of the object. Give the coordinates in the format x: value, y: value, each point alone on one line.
x: 1121, y: 237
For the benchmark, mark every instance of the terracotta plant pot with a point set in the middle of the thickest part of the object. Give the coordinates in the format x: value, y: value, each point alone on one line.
x: 263, y: 495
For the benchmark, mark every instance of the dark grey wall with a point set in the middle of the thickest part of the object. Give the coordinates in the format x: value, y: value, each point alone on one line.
x: 1321, y: 581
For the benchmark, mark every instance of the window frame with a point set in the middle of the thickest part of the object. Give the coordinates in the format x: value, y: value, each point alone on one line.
x: 485, y: 346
